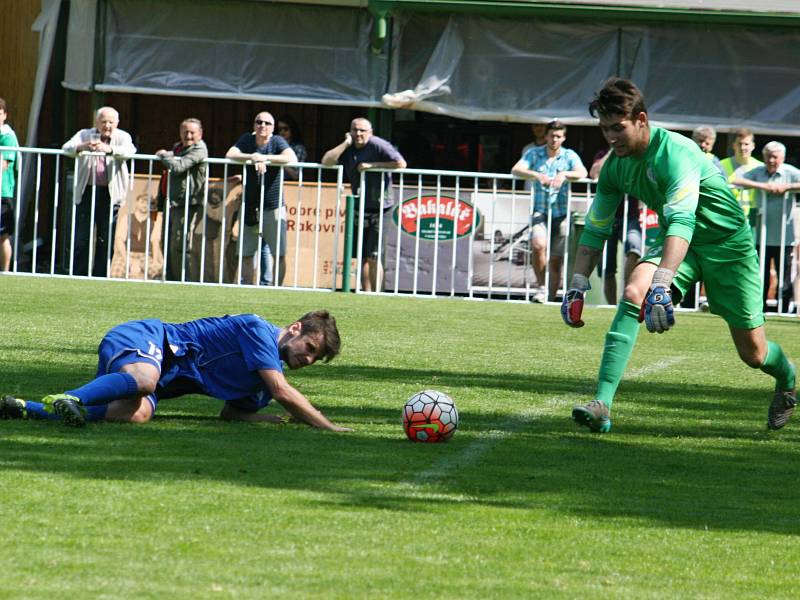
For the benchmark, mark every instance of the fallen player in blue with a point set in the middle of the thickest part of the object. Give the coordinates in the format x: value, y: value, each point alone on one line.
x: 235, y: 358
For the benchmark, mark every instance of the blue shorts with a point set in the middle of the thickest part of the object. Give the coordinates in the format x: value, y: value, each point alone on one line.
x: 132, y: 342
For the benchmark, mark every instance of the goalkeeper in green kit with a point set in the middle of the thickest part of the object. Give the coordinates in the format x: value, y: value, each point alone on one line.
x: 704, y: 236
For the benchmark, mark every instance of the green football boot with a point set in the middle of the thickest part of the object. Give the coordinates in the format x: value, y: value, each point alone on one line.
x: 12, y: 408
x: 67, y: 407
x: 594, y: 415
x: 782, y: 406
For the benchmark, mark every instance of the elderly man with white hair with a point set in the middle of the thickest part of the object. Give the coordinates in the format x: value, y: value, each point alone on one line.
x: 105, y: 176
x: 776, y: 179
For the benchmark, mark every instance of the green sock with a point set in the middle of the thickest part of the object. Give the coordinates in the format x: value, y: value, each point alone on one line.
x: 620, y: 340
x: 777, y: 365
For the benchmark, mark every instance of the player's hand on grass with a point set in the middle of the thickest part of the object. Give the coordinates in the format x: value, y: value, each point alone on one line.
x: 277, y: 419
x: 657, y: 311
x: 572, y: 304
x: 340, y: 429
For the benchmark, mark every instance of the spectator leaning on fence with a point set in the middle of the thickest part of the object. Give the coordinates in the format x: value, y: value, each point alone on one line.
x: 262, y: 148
x: 705, y: 136
x: 550, y: 167
x: 8, y: 163
x: 539, y: 130
x: 108, y: 176
x: 360, y: 151
x: 775, y: 179
x: 741, y: 162
x: 186, y: 171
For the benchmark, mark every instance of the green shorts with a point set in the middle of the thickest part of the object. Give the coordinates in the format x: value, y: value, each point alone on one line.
x: 730, y: 273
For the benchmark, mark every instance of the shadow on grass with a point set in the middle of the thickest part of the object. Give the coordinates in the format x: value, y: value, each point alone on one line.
x: 680, y: 455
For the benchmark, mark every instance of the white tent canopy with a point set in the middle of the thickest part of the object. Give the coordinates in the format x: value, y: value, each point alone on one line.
x: 464, y: 65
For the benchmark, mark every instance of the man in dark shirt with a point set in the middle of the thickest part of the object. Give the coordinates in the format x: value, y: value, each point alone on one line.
x: 264, y: 210
x: 360, y: 151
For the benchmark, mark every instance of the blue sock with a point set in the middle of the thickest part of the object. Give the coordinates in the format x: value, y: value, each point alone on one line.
x: 96, y: 413
x: 106, y: 388
x: 37, y: 410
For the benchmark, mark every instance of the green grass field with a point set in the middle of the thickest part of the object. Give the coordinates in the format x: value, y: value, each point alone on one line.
x: 687, y: 497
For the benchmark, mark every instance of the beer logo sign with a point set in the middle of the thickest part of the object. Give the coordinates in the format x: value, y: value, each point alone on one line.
x: 417, y: 217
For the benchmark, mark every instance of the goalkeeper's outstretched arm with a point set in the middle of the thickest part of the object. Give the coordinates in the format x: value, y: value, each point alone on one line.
x: 586, y: 259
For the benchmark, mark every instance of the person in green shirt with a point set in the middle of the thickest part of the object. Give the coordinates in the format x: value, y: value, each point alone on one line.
x: 704, y: 236
x: 8, y: 163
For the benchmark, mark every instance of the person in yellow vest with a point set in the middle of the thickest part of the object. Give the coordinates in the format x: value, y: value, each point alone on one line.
x: 741, y: 162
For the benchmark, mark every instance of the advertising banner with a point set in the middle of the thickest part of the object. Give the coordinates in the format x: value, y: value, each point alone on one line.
x: 428, y: 237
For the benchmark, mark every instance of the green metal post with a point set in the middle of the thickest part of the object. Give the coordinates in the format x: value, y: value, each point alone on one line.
x: 349, y: 215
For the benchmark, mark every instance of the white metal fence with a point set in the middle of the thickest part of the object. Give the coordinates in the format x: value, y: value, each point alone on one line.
x: 435, y: 233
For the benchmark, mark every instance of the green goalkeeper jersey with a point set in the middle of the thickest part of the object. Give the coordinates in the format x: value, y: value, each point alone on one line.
x: 680, y: 184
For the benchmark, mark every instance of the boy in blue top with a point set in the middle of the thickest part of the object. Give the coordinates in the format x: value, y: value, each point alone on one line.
x: 235, y: 358
x: 550, y: 167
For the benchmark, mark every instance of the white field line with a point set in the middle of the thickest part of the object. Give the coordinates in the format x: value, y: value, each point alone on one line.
x: 512, y: 425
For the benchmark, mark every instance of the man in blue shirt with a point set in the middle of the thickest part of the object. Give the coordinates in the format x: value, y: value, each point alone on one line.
x: 549, y: 166
x: 235, y: 358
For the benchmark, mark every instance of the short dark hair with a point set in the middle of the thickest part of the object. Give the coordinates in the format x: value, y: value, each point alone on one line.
x: 618, y: 96
x: 743, y: 132
x: 555, y: 125
x: 322, y: 322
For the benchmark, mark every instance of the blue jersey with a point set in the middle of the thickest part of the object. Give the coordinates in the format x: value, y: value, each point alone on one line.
x: 215, y: 356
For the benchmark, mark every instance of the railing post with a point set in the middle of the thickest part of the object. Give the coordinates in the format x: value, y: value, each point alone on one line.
x: 349, y: 214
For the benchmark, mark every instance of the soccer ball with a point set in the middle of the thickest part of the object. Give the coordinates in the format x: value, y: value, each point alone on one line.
x: 430, y: 416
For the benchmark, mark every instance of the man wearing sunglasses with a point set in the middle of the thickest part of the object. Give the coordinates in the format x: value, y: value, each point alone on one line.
x: 264, y: 209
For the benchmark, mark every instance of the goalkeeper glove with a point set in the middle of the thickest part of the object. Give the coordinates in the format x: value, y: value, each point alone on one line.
x: 657, y: 311
x: 572, y: 305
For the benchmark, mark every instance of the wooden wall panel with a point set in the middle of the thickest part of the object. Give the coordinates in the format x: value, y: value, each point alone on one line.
x: 19, y: 49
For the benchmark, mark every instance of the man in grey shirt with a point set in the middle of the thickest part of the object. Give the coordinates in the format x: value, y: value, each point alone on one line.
x: 186, y: 173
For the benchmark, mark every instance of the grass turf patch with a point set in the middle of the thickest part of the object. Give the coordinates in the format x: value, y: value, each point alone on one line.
x: 688, y: 496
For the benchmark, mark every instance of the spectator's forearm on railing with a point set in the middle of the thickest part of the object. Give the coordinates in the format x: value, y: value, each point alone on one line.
x: 575, y: 174
x: 388, y: 164
x: 750, y: 184
x: 181, y: 164
x: 75, y: 144
x: 287, y: 156
x: 331, y: 157
x: 521, y: 170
